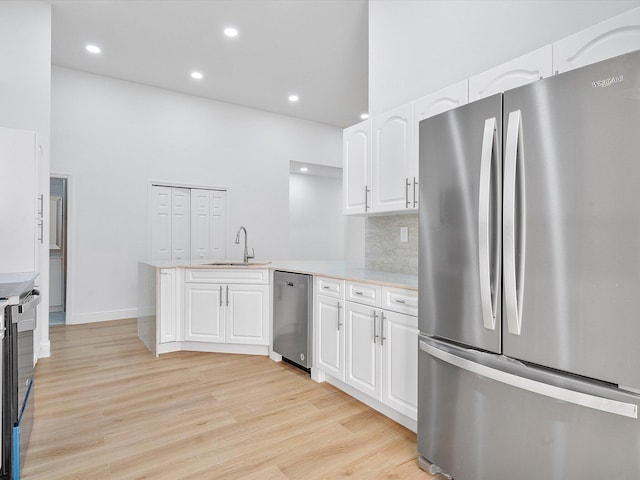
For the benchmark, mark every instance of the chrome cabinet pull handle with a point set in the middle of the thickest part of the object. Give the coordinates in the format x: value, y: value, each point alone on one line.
x: 415, y: 187
x: 227, y: 295
x: 366, y: 198
x: 358, y: 292
x: 406, y: 193
x: 339, y: 322
x: 382, y: 337
x: 375, y: 323
x: 220, y: 295
x: 399, y: 300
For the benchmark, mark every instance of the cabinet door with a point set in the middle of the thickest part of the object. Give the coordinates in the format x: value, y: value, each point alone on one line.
x: 180, y: 226
x: 329, y: 336
x: 356, y: 146
x: 400, y: 362
x: 441, y: 101
x: 200, y: 228
x: 247, y: 314
x: 204, y: 311
x: 515, y: 73
x: 433, y: 104
x: 167, y: 306
x: 217, y: 225
x: 19, y: 205
x: 393, y: 166
x: 613, y: 37
x: 362, y: 349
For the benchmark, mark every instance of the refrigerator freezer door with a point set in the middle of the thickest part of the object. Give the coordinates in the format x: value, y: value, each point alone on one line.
x: 459, y: 241
x: 572, y: 269
x: 484, y: 416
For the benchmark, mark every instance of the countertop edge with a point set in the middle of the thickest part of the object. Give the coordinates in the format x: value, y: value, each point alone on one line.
x: 330, y: 269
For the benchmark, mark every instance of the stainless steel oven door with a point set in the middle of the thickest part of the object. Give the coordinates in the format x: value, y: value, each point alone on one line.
x: 24, y: 316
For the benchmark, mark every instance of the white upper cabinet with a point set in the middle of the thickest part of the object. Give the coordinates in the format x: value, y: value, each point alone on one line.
x: 394, y: 167
x: 21, y: 205
x: 430, y: 105
x: 613, y: 37
x: 356, y: 156
x: 441, y: 101
x: 515, y: 73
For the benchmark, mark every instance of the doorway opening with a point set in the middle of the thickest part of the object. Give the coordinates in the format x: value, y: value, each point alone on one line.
x: 58, y: 250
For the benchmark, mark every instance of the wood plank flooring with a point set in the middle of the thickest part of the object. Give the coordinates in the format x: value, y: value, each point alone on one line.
x: 106, y: 408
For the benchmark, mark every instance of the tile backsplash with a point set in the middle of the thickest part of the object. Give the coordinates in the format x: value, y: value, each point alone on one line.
x: 383, y: 249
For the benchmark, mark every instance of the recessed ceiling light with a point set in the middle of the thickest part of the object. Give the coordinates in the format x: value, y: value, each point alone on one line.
x: 293, y: 98
x: 196, y: 75
x: 231, y: 32
x: 364, y: 116
x: 93, y: 49
x: 304, y: 169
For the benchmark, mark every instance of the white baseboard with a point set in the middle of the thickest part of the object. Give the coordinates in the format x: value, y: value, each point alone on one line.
x: 45, y: 349
x: 80, y: 318
x: 402, y: 419
x: 213, y: 348
x: 276, y: 357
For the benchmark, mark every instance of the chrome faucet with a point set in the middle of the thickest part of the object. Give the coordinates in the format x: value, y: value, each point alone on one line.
x: 246, y: 256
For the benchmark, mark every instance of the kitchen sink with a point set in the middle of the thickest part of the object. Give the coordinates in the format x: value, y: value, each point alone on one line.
x: 236, y: 264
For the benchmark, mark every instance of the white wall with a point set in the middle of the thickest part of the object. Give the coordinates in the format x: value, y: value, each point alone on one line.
x: 417, y: 47
x: 25, y: 99
x: 316, y: 229
x: 114, y: 137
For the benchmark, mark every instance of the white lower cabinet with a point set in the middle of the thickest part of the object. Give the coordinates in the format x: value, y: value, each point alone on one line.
x: 382, y: 356
x: 204, y: 313
x: 362, y: 349
x: 329, y: 336
x: 227, y: 313
x: 370, y: 349
x: 400, y: 362
x: 167, y: 311
x: 247, y: 314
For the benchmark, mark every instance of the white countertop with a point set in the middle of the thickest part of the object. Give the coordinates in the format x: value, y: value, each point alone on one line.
x: 334, y: 269
x: 12, y: 285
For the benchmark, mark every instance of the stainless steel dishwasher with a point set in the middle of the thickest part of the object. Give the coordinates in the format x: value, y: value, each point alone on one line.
x: 292, y: 314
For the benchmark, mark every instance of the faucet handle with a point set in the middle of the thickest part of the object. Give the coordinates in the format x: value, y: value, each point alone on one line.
x: 253, y: 254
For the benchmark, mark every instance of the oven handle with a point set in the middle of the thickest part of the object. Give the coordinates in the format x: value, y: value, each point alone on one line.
x: 24, y: 314
x: 33, y: 300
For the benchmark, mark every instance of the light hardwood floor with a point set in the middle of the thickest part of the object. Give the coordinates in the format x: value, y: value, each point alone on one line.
x: 106, y: 408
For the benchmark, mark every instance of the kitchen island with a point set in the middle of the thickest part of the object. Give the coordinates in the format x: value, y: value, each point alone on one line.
x: 364, y: 322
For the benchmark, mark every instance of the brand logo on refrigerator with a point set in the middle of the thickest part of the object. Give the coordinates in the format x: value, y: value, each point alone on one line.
x: 607, y: 82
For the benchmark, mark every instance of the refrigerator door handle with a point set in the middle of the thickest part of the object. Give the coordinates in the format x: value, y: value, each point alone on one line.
x: 590, y: 401
x: 488, y: 238
x: 514, y: 223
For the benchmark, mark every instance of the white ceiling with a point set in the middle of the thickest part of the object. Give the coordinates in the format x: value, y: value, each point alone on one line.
x: 317, y: 49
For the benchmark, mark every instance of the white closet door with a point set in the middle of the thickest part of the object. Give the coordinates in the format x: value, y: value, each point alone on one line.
x: 161, y: 223
x: 180, y: 226
x: 218, y: 225
x: 200, y: 201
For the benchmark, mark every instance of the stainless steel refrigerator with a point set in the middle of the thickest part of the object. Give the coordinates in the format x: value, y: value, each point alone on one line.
x: 529, y: 278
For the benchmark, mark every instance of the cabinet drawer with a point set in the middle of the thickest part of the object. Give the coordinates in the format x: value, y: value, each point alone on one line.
x: 228, y: 275
x: 363, y: 293
x: 331, y: 287
x: 400, y: 300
